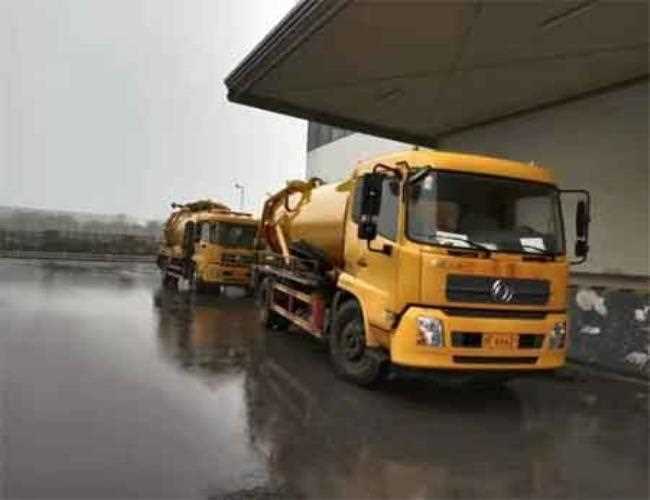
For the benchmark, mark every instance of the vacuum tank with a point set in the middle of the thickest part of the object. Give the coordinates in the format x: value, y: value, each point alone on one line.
x: 308, y: 215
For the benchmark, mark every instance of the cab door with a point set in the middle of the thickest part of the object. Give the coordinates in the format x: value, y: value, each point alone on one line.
x: 205, y: 251
x: 375, y: 264
x: 189, y: 240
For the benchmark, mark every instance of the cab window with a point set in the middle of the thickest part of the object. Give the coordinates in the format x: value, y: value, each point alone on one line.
x: 388, y: 211
x: 205, y: 232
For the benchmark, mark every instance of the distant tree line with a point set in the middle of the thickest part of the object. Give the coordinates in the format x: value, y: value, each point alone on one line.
x: 60, y: 232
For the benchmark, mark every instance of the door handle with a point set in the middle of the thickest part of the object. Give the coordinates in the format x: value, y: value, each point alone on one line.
x: 362, y: 262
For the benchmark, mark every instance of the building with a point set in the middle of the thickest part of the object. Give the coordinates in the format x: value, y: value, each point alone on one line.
x: 596, y: 142
x: 561, y: 84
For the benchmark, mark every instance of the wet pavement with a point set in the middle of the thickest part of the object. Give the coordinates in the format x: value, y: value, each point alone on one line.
x: 112, y: 388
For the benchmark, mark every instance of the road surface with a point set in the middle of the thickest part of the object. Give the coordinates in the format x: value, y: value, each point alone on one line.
x: 111, y: 388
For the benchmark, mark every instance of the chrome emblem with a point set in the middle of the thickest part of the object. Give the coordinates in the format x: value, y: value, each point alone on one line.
x: 501, y: 291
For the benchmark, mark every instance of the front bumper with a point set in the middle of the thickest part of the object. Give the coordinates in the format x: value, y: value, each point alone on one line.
x: 405, y: 350
x: 226, y: 275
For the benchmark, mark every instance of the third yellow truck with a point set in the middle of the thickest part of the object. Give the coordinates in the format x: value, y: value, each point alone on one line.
x: 209, y: 245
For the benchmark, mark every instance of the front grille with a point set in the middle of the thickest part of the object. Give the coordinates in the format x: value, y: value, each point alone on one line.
x: 493, y: 313
x: 466, y: 339
x: 480, y: 289
x: 233, y: 259
x: 491, y: 360
x: 530, y: 341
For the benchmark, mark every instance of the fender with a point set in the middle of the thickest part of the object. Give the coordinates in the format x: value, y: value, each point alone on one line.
x: 374, y: 334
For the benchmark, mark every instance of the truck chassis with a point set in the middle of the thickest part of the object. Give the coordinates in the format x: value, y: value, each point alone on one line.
x: 291, y: 291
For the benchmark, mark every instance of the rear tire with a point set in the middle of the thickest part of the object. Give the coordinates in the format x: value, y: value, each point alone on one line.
x: 268, y: 317
x: 351, y: 358
x: 169, y: 282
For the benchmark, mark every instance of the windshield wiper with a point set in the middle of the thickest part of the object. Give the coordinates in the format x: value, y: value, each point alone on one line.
x: 471, y: 243
x: 538, y: 251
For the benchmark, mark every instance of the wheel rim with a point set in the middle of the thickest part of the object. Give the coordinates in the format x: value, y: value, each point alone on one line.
x: 351, y: 341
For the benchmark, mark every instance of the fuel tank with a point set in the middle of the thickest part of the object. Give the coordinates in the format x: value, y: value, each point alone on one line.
x: 308, y: 214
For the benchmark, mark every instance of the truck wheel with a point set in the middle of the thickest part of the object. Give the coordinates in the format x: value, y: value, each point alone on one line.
x: 268, y: 317
x: 161, y: 262
x: 170, y: 282
x: 351, y: 358
x: 196, y: 283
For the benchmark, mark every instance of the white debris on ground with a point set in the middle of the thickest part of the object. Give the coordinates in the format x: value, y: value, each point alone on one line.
x: 641, y: 315
x: 590, y: 330
x: 588, y: 300
x: 639, y: 359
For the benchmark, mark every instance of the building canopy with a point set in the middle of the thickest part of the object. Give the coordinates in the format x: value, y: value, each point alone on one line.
x: 419, y: 70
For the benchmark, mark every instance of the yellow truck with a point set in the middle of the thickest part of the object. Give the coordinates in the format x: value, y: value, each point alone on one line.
x: 208, y: 245
x: 424, y: 260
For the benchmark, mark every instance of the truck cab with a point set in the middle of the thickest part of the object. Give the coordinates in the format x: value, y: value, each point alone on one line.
x: 458, y: 262
x: 224, y: 251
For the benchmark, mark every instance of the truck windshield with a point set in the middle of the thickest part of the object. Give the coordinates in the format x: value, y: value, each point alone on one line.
x: 467, y: 210
x: 232, y: 235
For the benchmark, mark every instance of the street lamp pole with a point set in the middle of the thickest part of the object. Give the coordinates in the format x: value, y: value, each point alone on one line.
x: 241, y: 189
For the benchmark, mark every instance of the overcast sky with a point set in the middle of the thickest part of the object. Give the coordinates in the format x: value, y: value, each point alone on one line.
x: 118, y: 106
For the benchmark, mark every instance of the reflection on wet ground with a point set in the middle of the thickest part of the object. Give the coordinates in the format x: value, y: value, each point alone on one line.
x: 111, y: 387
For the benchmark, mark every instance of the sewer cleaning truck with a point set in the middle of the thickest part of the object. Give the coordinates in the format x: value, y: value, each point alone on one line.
x: 208, y: 245
x: 423, y: 260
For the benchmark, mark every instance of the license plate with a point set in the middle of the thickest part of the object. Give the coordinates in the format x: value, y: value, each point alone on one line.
x: 499, y: 341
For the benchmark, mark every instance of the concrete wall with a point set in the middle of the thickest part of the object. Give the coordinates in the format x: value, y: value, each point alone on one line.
x: 335, y: 160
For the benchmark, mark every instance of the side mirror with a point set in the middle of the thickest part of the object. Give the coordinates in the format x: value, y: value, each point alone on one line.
x: 371, y: 191
x: 581, y: 249
x: 367, y: 230
x: 582, y: 220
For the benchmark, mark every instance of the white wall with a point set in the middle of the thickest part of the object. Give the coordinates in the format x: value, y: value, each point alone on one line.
x: 599, y: 143
x: 336, y: 160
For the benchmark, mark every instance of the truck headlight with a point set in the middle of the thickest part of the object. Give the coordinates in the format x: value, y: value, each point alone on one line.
x: 430, y: 331
x: 557, y: 337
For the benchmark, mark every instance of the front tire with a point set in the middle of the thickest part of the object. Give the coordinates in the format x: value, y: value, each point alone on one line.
x: 351, y: 358
x: 196, y: 283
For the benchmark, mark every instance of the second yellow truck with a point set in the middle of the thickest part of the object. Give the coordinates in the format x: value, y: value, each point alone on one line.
x: 208, y: 245
x: 424, y: 260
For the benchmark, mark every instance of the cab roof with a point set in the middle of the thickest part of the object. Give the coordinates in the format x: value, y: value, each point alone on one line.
x: 460, y: 162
